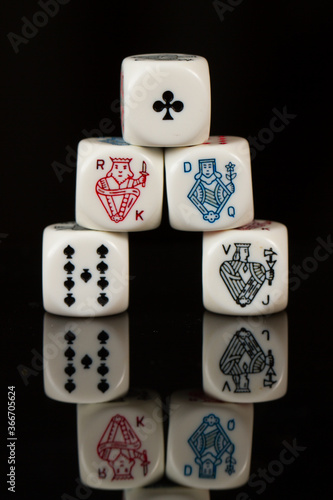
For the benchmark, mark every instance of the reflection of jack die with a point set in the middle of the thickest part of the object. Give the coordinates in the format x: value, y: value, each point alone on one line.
x: 244, y: 357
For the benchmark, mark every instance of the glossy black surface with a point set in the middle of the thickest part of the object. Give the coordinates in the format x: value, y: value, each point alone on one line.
x: 63, y: 84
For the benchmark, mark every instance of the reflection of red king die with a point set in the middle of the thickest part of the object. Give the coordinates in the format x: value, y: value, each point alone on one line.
x: 121, y: 443
x: 120, y: 447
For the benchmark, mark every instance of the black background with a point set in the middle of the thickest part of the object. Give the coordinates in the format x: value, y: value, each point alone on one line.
x: 61, y: 86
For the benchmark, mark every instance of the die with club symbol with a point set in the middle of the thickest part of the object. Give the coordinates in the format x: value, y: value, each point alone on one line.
x: 165, y: 100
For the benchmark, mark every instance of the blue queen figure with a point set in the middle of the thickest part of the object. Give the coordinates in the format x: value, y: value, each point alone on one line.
x: 209, y: 193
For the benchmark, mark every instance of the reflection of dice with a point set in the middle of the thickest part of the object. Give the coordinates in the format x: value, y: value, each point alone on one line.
x: 209, y: 442
x: 86, y: 360
x: 245, y: 270
x: 85, y: 273
x: 121, y: 443
x: 119, y: 187
x: 245, y: 359
x: 209, y: 187
x: 165, y: 99
x: 166, y: 493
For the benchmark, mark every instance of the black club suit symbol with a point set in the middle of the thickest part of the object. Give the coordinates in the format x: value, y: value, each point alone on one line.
x: 167, y: 97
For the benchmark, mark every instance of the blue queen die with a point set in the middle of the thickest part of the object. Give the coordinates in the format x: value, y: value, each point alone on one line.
x: 209, y: 193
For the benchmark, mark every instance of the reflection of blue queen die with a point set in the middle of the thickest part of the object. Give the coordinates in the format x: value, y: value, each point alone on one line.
x: 209, y: 187
x: 209, y: 442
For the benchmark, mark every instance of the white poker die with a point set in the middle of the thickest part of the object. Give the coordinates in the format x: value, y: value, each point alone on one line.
x: 209, y: 442
x: 121, y: 443
x: 85, y: 273
x: 245, y: 270
x: 119, y: 187
x: 209, y: 186
x: 245, y: 359
x: 165, y: 99
x: 86, y: 360
x: 166, y: 493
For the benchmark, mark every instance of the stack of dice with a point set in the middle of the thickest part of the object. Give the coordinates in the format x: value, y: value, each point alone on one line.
x: 165, y: 115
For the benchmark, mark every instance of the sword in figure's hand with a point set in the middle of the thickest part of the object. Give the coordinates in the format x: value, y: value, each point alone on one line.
x: 144, y: 173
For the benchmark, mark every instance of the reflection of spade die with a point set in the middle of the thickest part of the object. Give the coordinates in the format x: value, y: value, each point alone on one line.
x: 70, y: 386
